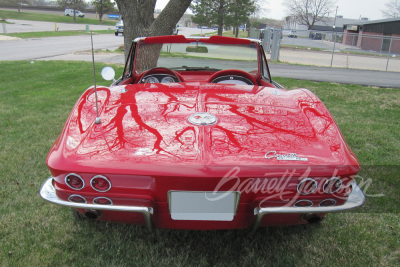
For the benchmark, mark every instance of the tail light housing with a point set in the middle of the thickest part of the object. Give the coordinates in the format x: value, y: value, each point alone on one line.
x: 307, y: 186
x: 303, y: 203
x: 327, y: 202
x: 332, y: 185
x: 74, y: 181
x: 77, y: 199
x: 102, y: 201
x: 100, y: 183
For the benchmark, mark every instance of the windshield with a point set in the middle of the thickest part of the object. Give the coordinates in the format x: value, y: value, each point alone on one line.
x: 196, y: 56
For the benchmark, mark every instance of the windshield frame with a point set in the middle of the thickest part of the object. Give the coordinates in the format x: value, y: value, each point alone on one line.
x: 262, y: 65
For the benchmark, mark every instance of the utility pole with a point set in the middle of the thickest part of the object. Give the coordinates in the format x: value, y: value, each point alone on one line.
x: 334, y: 34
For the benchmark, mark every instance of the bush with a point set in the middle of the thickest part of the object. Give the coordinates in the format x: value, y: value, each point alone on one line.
x: 197, y: 49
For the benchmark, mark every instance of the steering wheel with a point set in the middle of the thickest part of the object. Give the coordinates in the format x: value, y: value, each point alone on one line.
x: 242, y: 75
x: 160, y: 70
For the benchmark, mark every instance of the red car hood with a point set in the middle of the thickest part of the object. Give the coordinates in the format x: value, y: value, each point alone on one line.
x: 144, y: 129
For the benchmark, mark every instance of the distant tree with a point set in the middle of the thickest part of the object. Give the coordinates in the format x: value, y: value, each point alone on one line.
x: 392, y: 9
x: 139, y: 18
x: 222, y: 12
x: 210, y: 12
x: 72, y: 4
x: 102, y: 7
x: 239, y: 12
x: 260, y: 9
x: 290, y: 22
x: 309, y: 12
x: 17, y: 3
x: 203, y: 12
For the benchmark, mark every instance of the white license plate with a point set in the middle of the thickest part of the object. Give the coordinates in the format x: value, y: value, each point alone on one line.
x: 203, y: 206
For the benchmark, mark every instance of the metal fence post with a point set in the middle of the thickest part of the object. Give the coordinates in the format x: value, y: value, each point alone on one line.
x: 276, y: 41
x: 253, y: 33
x: 267, y: 40
x: 334, y: 46
x: 4, y: 28
x: 390, y: 49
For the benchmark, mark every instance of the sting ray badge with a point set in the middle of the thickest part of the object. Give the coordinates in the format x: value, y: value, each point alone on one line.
x: 203, y: 118
x: 290, y: 156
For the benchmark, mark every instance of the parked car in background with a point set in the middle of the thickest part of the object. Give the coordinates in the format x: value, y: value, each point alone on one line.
x: 70, y: 12
x: 315, y: 36
x: 196, y: 134
x: 292, y: 34
x: 119, y: 28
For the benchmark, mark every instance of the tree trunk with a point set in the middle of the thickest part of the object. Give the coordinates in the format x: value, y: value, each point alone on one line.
x: 221, y: 14
x: 101, y: 11
x: 237, y: 31
x: 138, y: 16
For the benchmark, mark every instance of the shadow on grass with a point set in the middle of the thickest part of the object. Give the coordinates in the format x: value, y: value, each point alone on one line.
x: 118, y: 244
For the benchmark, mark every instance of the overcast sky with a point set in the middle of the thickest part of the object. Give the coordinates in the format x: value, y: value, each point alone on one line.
x: 351, y: 9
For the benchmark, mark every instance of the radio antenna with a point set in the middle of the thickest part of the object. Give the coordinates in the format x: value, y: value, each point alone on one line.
x: 98, y: 121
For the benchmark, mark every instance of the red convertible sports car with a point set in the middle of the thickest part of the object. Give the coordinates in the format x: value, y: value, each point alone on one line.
x: 195, y: 134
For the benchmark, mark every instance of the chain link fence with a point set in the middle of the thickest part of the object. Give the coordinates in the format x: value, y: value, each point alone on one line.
x: 333, y: 49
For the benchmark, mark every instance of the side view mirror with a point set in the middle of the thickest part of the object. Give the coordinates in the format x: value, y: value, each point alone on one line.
x: 108, y: 73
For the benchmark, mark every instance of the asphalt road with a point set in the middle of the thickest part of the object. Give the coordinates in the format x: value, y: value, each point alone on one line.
x: 65, y: 48
x: 318, y: 74
x: 36, y: 48
x: 52, y: 12
x: 337, y: 75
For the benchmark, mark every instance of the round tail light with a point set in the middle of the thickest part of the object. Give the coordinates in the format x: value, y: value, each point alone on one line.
x: 100, y: 183
x: 102, y: 201
x: 74, y: 181
x: 77, y: 199
x: 332, y: 185
x: 303, y: 203
x: 307, y: 186
x: 327, y: 202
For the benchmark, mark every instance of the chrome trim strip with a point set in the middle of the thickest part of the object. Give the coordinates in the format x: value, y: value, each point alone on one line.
x: 198, y: 38
x: 354, y: 200
x: 136, y: 40
x: 48, y: 192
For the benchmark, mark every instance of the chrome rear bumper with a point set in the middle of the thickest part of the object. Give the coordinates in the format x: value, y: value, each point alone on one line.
x: 48, y: 192
x: 354, y: 200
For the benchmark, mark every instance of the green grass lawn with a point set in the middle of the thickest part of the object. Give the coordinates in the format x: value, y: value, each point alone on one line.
x: 35, y: 101
x: 6, y: 14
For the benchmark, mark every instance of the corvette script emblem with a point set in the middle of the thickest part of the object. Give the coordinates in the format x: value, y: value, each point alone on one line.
x: 291, y: 156
x: 203, y: 118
